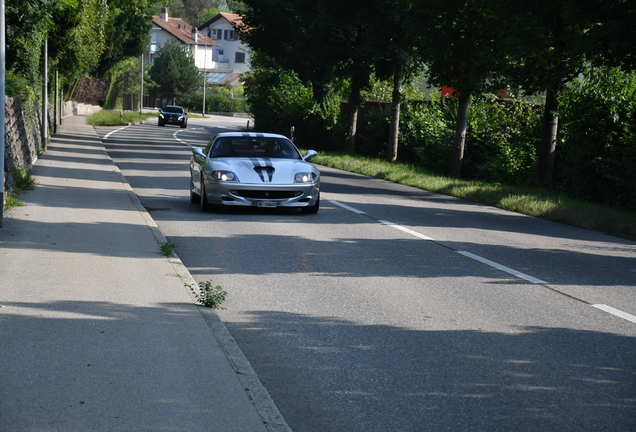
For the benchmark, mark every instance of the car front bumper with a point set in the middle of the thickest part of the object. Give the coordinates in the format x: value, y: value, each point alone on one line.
x: 255, y: 195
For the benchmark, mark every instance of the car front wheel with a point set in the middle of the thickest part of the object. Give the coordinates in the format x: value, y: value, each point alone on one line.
x: 194, y: 197
x: 203, y: 201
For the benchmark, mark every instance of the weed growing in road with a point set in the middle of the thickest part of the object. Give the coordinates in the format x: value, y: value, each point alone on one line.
x: 167, y: 248
x: 208, y: 296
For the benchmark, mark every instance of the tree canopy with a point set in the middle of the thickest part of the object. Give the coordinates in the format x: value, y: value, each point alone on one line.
x: 174, y: 72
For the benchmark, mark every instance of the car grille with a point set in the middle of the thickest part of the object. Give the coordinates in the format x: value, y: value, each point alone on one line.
x: 267, y: 194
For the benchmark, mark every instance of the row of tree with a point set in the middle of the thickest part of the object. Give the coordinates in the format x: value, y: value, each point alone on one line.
x: 472, y: 46
x: 83, y: 37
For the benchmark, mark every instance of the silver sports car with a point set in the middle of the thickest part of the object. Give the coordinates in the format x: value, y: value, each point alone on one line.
x: 253, y: 169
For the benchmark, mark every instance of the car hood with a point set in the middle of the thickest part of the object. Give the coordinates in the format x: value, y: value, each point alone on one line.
x: 263, y: 170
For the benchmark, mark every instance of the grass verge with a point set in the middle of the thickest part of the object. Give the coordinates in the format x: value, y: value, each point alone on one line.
x: 530, y: 201
x: 22, y: 180
x: 117, y: 117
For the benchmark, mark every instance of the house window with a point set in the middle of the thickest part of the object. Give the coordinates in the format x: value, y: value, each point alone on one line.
x: 217, y: 33
x: 230, y: 35
x: 239, y: 57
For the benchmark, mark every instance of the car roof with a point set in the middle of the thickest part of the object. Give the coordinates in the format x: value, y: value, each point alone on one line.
x: 250, y: 135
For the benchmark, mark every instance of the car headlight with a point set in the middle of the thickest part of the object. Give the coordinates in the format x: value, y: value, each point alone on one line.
x: 305, y: 177
x: 226, y: 176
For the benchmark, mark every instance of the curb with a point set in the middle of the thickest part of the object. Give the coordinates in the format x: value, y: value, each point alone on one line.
x: 262, y: 401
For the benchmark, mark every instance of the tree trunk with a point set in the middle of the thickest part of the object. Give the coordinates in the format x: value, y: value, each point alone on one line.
x: 545, y: 164
x: 460, y: 136
x: 354, y: 105
x: 395, y: 112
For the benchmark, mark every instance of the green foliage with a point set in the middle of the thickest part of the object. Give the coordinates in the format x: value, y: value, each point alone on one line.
x: 217, y: 102
x: 502, y: 140
x: 76, y: 36
x: 501, y: 137
x: 27, y: 23
x: 533, y: 201
x: 22, y: 179
x: 381, y: 90
x: 117, y: 117
x: 167, y: 248
x: 126, y: 33
x: 208, y: 296
x: 279, y: 100
x: 209, y: 14
x: 11, y: 201
x: 596, y: 155
x: 174, y: 72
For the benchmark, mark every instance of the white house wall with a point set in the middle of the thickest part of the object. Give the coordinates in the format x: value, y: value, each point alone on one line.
x: 229, y: 48
x: 203, y: 56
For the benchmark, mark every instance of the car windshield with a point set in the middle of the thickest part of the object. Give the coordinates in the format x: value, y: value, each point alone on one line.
x: 275, y: 148
x: 173, y: 109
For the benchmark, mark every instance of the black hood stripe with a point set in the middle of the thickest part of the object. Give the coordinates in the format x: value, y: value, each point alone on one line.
x: 259, y: 168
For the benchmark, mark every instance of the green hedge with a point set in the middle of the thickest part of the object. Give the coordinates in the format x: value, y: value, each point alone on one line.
x: 214, y: 103
x: 596, y: 152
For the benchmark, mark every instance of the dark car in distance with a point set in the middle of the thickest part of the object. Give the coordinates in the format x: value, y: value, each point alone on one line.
x: 172, y: 114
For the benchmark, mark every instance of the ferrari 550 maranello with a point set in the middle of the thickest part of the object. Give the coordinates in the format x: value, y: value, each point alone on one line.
x: 253, y: 169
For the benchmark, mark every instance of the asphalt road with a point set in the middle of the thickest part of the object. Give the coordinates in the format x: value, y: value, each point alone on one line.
x: 395, y: 309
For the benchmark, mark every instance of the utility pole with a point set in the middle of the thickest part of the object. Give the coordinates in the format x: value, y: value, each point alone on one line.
x: 45, y: 96
x: 141, y: 96
x: 3, y: 56
x: 55, y: 106
x: 205, y: 70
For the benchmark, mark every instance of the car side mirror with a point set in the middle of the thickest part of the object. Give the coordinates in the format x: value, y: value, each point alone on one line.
x: 197, y: 152
x: 310, y: 154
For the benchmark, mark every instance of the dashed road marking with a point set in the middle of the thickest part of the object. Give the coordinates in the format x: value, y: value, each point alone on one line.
x: 616, y: 312
x: 406, y: 230
x: 502, y: 268
x: 346, y: 207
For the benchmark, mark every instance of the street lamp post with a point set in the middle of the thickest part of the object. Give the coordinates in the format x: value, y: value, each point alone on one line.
x: 141, y: 96
x: 205, y: 71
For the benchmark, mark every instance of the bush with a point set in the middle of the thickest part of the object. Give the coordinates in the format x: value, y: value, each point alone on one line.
x: 501, y: 138
x: 596, y: 153
x: 214, y: 103
x: 278, y: 100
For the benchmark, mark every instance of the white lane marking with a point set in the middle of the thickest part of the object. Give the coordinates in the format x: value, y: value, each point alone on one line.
x: 344, y: 206
x: 112, y: 132
x: 406, y: 230
x: 502, y: 268
x: 174, y: 135
x: 615, y: 312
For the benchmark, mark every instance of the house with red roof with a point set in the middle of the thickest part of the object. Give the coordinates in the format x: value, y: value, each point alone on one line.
x: 204, y: 49
x: 223, y: 28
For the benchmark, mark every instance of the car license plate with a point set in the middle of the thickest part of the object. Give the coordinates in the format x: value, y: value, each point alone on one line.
x: 269, y: 204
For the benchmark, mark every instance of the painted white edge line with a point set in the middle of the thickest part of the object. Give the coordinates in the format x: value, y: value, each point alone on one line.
x: 346, y: 207
x: 502, y: 268
x: 112, y: 132
x: 615, y: 312
x: 174, y: 135
x: 406, y: 230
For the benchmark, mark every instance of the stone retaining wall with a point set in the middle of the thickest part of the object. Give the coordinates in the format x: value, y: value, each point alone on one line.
x: 23, y: 137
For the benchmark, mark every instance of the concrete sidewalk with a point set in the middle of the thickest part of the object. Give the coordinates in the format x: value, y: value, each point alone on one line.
x: 97, y: 331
